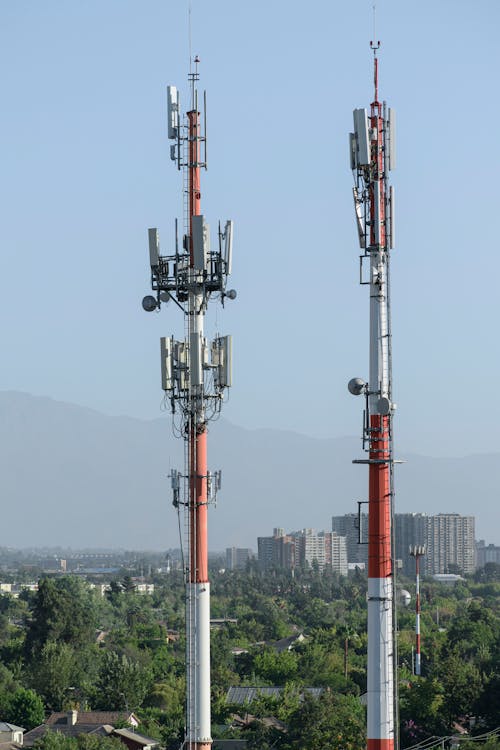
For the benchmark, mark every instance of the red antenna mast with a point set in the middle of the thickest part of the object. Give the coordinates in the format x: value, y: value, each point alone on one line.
x: 195, y: 376
x: 372, y: 157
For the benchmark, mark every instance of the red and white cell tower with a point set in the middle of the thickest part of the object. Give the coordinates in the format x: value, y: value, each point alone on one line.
x: 372, y: 157
x: 195, y: 377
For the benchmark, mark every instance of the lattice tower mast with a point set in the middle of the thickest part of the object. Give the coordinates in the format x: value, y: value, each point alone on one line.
x: 372, y: 156
x: 195, y: 377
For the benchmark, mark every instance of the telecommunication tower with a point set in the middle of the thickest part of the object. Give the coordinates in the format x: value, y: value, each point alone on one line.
x: 195, y: 375
x: 417, y: 552
x: 372, y: 157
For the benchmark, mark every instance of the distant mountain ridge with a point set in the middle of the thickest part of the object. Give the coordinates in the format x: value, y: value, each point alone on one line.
x: 71, y: 476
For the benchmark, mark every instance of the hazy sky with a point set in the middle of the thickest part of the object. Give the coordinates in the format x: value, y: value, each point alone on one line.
x: 85, y: 170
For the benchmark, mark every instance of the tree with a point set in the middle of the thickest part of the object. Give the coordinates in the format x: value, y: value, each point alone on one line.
x: 64, y: 612
x: 461, y: 683
x: 276, y: 668
x: 121, y: 683
x: 128, y: 585
x: 8, y: 684
x: 58, y: 741
x: 490, y: 573
x: 333, y: 721
x: 26, y: 709
x: 54, y: 673
x: 420, y: 709
x: 55, y: 741
x: 487, y: 703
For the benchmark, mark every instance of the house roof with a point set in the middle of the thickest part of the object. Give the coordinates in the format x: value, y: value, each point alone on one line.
x: 240, y: 695
x: 60, y: 718
x: 266, y: 721
x: 140, y: 739
x: 6, y: 727
x: 285, y: 644
x: 69, y: 730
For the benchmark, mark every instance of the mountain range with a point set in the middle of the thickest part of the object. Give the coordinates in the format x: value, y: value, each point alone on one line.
x: 73, y: 477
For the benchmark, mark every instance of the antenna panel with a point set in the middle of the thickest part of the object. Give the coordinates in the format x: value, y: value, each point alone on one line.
x: 358, y: 203
x: 391, y: 126
x: 195, y: 359
x: 154, y: 247
x: 173, y: 111
x: 201, y: 242
x: 166, y: 345
x: 362, y: 137
x: 175, y: 479
x: 204, y: 353
x: 215, y: 355
x: 352, y: 150
x: 226, y: 365
x: 392, y: 228
x: 181, y: 370
x: 376, y: 201
x: 228, y: 246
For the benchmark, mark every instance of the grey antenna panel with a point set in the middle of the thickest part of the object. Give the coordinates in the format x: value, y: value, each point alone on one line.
x: 173, y: 111
x: 362, y: 137
x: 391, y: 123
x: 195, y: 359
x: 352, y: 150
x: 166, y: 345
x: 154, y: 247
x: 226, y: 366
x: 201, y: 242
x: 228, y: 246
x: 392, y: 219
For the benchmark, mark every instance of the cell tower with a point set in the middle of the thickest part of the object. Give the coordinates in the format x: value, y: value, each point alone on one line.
x: 195, y: 376
x: 417, y: 552
x: 372, y: 157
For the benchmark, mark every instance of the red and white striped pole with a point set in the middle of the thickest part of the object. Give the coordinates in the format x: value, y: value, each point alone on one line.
x: 370, y: 159
x: 198, y: 736
x: 380, y: 585
x: 195, y: 374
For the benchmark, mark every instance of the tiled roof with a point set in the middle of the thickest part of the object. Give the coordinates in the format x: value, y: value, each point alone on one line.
x: 90, y: 717
x: 139, y: 738
x: 242, y: 695
x: 69, y: 730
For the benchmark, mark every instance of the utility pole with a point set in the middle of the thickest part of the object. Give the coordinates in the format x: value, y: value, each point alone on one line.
x: 417, y: 552
x: 196, y: 374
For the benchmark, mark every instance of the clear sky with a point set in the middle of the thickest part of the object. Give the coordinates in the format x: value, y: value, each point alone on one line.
x: 85, y: 171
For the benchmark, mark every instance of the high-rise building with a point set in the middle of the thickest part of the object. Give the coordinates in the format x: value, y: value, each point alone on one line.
x: 348, y: 527
x: 487, y: 554
x: 336, y: 552
x: 410, y: 530
x: 237, y: 557
x: 266, y: 553
x: 277, y: 551
x: 325, y: 549
x: 450, y: 544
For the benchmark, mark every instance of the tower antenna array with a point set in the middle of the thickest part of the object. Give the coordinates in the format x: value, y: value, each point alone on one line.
x: 195, y: 375
x: 372, y: 157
